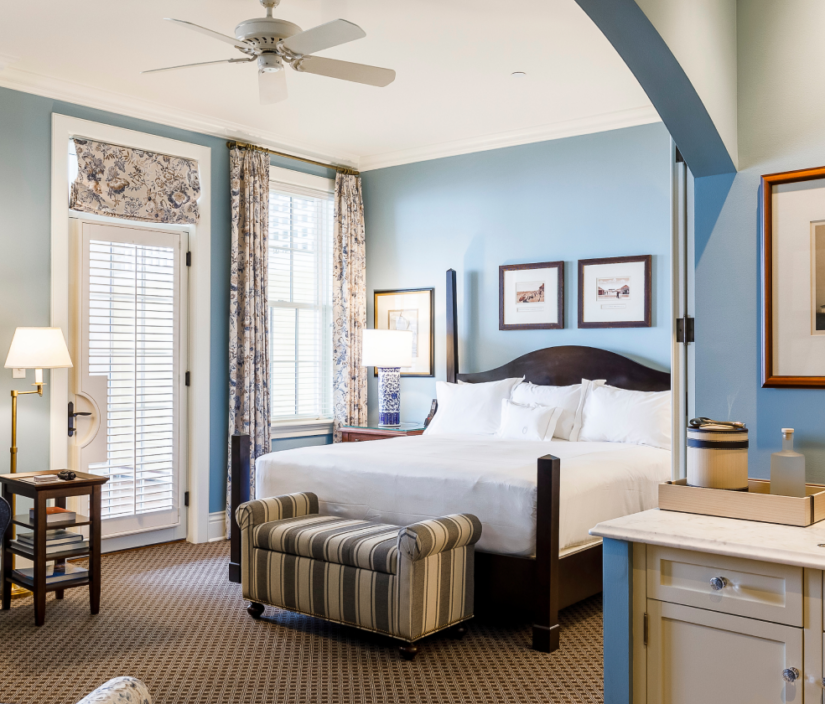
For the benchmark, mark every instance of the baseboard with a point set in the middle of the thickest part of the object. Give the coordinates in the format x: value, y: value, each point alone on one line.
x: 217, y: 527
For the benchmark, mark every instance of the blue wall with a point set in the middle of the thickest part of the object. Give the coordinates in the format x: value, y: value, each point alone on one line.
x: 780, y: 129
x: 25, y: 275
x: 598, y: 195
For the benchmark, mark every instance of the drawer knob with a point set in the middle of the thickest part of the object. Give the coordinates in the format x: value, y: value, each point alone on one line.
x: 717, y: 583
x: 790, y: 675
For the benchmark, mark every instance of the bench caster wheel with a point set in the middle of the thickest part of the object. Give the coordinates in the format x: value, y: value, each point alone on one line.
x: 408, y: 651
x: 255, y: 610
x: 459, y: 632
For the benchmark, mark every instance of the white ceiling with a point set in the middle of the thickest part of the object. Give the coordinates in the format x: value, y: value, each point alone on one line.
x: 454, y: 92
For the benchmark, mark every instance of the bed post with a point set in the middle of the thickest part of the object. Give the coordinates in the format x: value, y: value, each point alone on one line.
x: 239, y: 494
x: 546, y: 626
x: 452, y: 328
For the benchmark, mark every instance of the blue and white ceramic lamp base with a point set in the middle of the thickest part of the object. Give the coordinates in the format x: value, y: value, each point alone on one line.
x: 389, y: 396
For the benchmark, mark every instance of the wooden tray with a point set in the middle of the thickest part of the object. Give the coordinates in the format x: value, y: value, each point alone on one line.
x: 755, y: 504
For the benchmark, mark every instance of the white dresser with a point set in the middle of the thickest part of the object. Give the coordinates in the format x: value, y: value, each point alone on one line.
x: 700, y: 609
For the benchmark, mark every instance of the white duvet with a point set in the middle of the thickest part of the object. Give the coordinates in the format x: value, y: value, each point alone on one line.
x: 406, y: 479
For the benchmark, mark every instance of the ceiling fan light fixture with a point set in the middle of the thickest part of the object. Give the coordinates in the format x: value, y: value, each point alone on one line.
x: 269, y: 63
x: 275, y: 43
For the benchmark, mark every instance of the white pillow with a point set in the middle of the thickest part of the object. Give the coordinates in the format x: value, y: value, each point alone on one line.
x: 570, y: 399
x: 469, y: 409
x: 527, y: 422
x: 635, y: 417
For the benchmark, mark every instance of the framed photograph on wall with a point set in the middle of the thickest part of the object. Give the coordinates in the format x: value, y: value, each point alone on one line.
x: 793, y: 279
x: 615, y: 292
x: 531, y: 296
x: 409, y: 309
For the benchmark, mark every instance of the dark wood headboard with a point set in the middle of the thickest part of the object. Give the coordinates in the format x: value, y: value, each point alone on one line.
x: 555, y: 366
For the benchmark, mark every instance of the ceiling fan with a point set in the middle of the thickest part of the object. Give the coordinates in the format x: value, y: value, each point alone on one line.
x: 274, y: 43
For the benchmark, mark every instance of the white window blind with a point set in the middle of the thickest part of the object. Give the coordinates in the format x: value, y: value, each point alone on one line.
x: 300, y: 302
x: 132, y: 301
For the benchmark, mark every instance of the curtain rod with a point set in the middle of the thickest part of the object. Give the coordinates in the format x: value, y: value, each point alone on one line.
x: 336, y: 167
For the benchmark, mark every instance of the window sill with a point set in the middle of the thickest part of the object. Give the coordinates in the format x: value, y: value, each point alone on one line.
x: 300, y: 428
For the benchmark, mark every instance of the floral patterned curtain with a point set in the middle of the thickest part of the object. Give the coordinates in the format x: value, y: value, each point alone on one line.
x: 249, y: 406
x: 349, y: 304
x: 134, y: 184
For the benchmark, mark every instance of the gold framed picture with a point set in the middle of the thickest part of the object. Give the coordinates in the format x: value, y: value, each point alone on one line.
x: 409, y: 309
x: 793, y: 279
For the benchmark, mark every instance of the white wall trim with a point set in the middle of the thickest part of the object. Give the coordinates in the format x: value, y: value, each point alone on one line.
x: 542, y: 133
x: 288, y: 177
x: 81, y: 94
x: 217, y: 526
x: 281, y: 430
x: 63, y: 128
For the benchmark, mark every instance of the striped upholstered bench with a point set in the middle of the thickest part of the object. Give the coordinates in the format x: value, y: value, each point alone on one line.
x: 405, y: 582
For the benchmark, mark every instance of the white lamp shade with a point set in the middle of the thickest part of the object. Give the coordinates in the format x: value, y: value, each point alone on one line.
x: 387, y: 348
x: 38, y: 348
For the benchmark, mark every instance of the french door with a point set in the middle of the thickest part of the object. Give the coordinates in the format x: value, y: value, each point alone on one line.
x: 129, y: 346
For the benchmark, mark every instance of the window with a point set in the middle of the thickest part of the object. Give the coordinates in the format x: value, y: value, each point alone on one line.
x: 300, y: 299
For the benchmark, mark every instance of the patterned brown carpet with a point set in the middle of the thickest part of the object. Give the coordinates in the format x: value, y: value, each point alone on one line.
x: 170, y: 617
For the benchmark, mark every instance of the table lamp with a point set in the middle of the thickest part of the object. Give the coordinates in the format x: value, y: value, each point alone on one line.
x: 388, y: 351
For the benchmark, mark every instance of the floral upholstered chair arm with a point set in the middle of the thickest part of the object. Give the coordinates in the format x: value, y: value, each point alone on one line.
x: 254, y: 513
x: 435, y: 535
x: 120, y: 690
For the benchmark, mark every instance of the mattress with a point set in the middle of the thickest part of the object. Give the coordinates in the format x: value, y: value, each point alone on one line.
x: 407, y: 479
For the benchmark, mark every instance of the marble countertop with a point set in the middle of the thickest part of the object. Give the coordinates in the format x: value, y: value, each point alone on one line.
x: 787, y: 545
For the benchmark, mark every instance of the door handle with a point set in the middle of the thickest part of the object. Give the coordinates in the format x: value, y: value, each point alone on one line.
x: 72, y: 416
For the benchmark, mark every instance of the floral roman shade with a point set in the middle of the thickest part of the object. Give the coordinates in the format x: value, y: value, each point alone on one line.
x: 135, y: 184
x: 349, y: 304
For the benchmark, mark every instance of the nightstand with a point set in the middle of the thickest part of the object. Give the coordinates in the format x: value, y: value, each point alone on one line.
x: 364, y: 433
x: 38, y: 582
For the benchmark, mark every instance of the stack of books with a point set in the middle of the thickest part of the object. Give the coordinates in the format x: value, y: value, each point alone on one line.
x: 55, y: 514
x: 57, y: 540
x: 56, y: 573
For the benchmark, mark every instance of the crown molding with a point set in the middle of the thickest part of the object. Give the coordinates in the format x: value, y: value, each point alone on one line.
x: 88, y: 96
x: 557, y: 130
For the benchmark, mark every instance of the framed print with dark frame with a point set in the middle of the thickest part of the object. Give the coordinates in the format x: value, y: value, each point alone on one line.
x: 531, y: 296
x: 615, y: 292
x: 409, y: 309
x: 793, y: 279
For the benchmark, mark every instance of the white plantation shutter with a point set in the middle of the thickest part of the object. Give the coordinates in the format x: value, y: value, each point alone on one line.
x: 300, y: 302
x: 131, y: 342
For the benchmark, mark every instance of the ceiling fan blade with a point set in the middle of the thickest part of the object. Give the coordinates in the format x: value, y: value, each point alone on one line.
x: 202, y: 63
x: 272, y: 86
x: 346, y: 71
x: 238, y: 43
x: 324, y: 36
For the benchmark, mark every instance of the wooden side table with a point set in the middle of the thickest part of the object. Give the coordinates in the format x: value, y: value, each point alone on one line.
x: 84, y: 485
x: 364, y: 433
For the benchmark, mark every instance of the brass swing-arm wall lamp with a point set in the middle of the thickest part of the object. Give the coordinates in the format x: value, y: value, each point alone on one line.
x: 38, y: 349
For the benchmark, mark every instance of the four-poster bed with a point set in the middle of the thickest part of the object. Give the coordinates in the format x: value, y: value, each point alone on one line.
x: 535, y: 585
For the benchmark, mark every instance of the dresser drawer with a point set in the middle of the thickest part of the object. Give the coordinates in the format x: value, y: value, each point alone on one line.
x: 349, y: 436
x: 732, y: 585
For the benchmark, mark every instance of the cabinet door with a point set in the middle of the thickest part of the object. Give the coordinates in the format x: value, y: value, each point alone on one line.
x: 694, y: 655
